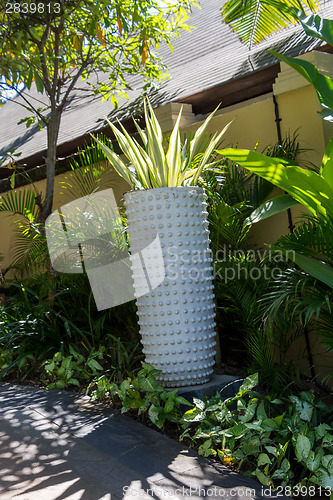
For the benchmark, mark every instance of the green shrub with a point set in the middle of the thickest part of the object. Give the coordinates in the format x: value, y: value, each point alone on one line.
x: 287, y: 442
x: 43, y: 318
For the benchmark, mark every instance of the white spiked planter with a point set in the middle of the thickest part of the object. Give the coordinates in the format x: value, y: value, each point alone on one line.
x: 177, y: 317
x: 175, y: 291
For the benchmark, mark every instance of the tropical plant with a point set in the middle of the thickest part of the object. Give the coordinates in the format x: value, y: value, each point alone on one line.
x: 306, y: 187
x: 149, y: 166
x: 308, y: 246
x: 233, y: 193
x: 37, y: 324
x: 254, y: 20
x: 243, y: 273
x: 317, y: 27
x: 90, y: 172
x: 305, y: 298
x: 73, y: 369
x: 28, y: 245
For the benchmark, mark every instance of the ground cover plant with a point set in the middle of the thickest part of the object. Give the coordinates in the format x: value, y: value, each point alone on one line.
x: 286, y: 442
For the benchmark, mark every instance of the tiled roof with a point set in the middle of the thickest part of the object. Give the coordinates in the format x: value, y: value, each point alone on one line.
x: 208, y: 56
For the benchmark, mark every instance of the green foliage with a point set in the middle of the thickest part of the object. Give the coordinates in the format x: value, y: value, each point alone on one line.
x: 243, y: 274
x: 272, y: 207
x: 47, y: 318
x: 55, y: 44
x: 28, y: 245
x: 90, y: 172
x: 149, y: 166
x: 313, y: 190
x: 322, y: 83
x: 142, y: 394
x: 64, y: 371
x: 317, y: 27
x: 254, y: 20
x: 285, y: 441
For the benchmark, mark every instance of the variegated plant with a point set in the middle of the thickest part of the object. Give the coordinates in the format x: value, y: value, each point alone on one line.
x: 149, y: 166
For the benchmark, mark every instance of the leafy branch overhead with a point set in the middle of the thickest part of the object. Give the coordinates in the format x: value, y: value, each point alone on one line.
x: 64, y: 42
x: 53, y: 46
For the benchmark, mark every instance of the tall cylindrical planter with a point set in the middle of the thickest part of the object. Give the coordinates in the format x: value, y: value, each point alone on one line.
x: 176, y: 317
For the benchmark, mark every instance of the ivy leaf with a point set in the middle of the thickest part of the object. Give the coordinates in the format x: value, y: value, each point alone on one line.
x: 327, y: 440
x: 248, y: 384
x: 285, y: 466
x: 263, y: 459
x: 169, y: 405
x: 194, y: 415
x: 94, y: 365
x: 303, y: 447
x: 198, y: 403
x: 262, y: 478
x: 313, y: 461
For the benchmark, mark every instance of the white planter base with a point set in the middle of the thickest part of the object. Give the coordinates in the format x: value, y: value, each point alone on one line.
x: 177, y: 317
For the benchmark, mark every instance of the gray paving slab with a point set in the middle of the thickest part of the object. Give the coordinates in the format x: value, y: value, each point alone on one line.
x: 59, y: 445
x: 226, y: 385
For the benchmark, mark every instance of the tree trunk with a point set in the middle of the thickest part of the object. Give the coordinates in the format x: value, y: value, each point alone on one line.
x: 51, y: 160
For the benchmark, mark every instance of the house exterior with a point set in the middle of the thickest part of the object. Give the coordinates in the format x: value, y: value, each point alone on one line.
x: 209, y: 67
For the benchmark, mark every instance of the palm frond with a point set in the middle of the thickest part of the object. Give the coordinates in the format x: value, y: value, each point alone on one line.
x: 255, y: 20
x: 28, y: 250
x: 313, y: 238
x: 20, y: 202
x: 90, y: 172
x: 302, y: 299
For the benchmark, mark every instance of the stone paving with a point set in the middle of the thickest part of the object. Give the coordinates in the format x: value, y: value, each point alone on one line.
x: 60, y: 445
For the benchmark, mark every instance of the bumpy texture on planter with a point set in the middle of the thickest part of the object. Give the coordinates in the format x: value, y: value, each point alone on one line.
x: 177, y: 318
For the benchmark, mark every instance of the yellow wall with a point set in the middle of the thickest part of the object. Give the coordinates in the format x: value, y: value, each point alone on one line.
x: 252, y: 121
x: 298, y: 110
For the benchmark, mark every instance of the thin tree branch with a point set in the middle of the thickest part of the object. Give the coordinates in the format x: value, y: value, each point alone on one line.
x: 84, y: 64
x: 57, y: 32
x: 33, y: 109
